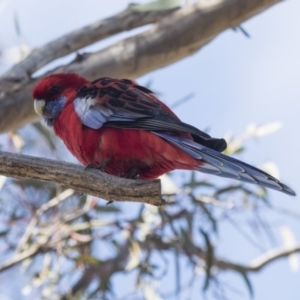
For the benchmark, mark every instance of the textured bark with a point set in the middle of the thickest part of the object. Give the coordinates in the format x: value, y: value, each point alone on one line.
x: 90, y: 181
x: 176, y: 36
x: 69, y: 43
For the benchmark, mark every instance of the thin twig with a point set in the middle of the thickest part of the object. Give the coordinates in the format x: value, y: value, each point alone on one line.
x: 260, y: 262
x: 17, y: 258
x: 53, y: 202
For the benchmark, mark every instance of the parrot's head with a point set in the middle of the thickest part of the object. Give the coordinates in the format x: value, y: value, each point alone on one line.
x: 52, y: 94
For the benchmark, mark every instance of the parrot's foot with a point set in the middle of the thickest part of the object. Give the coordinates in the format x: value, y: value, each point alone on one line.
x: 88, y: 167
x: 102, y: 165
x: 132, y: 173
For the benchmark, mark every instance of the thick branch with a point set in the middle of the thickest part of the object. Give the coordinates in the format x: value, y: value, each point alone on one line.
x: 177, y: 36
x: 69, y: 43
x: 174, y: 37
x: 90, y: 181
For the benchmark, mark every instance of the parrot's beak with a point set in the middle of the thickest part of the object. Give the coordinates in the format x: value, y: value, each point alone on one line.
x: 39, y: 106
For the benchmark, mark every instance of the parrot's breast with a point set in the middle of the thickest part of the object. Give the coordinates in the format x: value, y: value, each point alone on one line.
x: 118, y: 151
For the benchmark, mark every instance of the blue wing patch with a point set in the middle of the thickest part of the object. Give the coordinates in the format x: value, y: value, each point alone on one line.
x: 95, y: 115
x: 222, y: 165
x: 90, y: 113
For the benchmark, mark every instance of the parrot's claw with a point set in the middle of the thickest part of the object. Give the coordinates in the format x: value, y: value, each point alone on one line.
x: 88, y: 167
x: 133, y: 173
x: 109, y: 202
x: 102, y: 165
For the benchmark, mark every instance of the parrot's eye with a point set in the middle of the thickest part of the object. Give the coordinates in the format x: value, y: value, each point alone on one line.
x: 55, y: 90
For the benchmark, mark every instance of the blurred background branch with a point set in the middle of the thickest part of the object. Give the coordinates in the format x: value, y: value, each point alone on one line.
x: 181, y: 33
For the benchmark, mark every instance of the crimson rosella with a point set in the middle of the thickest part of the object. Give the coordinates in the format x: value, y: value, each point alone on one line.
x: 125, y: 130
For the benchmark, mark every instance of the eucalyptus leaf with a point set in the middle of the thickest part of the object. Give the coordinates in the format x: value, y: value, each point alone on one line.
x: 209, y: 259
x: 157, y: 5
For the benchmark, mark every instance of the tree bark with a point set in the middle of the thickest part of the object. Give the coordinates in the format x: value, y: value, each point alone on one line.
x: 90, y: 181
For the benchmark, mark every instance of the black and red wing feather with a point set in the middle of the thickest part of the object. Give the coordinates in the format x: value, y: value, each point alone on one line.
x: 108, y: 102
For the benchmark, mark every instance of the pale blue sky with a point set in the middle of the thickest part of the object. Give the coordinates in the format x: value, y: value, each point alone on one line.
x: 236, y: 81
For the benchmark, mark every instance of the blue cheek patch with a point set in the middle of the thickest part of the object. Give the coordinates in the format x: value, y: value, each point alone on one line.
x: 53, y: 109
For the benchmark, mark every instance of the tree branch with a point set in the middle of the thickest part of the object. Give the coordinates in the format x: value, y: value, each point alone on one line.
x: 260, y: 262
x: 254, y: 266
x: 19, y: 257
x: 89, y: 181
x: 177, y: 36
x: 69, y: 43
x: 50, y: 204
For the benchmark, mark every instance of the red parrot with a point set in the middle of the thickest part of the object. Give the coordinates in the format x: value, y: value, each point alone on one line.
x: 125, y: 130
